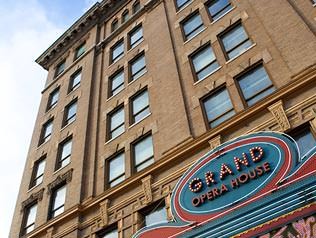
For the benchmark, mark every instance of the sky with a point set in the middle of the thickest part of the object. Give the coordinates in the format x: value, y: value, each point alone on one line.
x: 27, y: 29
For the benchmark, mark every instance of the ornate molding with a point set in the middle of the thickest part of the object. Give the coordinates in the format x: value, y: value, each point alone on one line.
x: 279, y: 115
x: 49, y: 232
x: 104, y: 213
x: 147, y: 189
x: 66, y: 177
x: 38, y: 196
x: 214, y: 142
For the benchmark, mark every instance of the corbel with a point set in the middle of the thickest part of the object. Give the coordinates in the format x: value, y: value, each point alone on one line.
x: 279, y: 115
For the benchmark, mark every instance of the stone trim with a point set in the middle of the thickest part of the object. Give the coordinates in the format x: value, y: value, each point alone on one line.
x: 66, y: 177
x: 38, y: 196
x: 147, y: 189
x: 279, y: 115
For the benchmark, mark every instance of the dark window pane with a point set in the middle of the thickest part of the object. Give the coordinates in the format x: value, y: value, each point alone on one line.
x: 117, y: 51
x: 140, y: 106
x: 144, y: 153
x: 136, y: 7
x: 218, y: 107
x: 117, y: 170
x: 235, y: 41
x: 46, y: 132
x: 182, y: 3
x: 80, y: 50
x: 138, y: 67
x: 75, y: 81
x: 114, y: 25
x: 38, y: 173
x: 204, y: 62
x: 255, y: 85
x: 192, y: 26
x: 71, y: 111
x: 117, y: 123
x: 53, y: 99
x: 136, y: 36
x: 218, y: 8
x: 117, y: 83
x: 305, y: 140
x: 157, y: 216
x: 60, y: 68
x: 125, y: 16
x: 111, y: 234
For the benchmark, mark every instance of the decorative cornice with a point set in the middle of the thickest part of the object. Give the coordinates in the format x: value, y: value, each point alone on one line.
x: 38, y: 196
x: 279, y: 114
x: 63, y: 178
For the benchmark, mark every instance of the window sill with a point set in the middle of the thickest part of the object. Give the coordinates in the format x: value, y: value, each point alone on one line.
x: 114, y: 95
x: 34, y: 187
x: 213, y: 72
x: 134, y: 80
x: 65, y: 126
x: 184, y: 7
x: 72, y: 91
x: 116, y: 59
x: 131, y: 126
x: 213, y: 22
x: 67, y: 165
x: 135, y: 46
x: 243, y: 52
x: 195, y: 35
x: 51, y: 109
x: 112, y: 139
x: 41, y: 145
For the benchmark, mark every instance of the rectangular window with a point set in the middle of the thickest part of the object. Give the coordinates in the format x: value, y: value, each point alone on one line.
x: 255, y: 84
x: 64, y: 153
x: 117, y: 51
x: 204, y: 62
x: 182, y: 3
x: 135, y: 36
x: 38, y: 172
x: 80, y: 50
x: 136, y: 7
x: 137, y: 67
x: 192, y: 26
x: 116, y: 82
x: 116, y: 169
x: 218, y: 8
x: 157, y: 215
x: 60, y: 68
x: 28, y: 223
x: 52, y: 99
x: 305, y: 138
x: 58, y: 201
x: 70, y: 113
x: 46, y: 131
x: 235, y: 41
x: 113, y: 233
x: 74, y: 81
x: 116, y: 122
x: 143, y: 153
x: 218, y: 107
x: 140, y: 106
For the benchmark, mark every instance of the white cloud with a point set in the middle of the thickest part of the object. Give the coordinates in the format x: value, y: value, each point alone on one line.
x: 25, y: 33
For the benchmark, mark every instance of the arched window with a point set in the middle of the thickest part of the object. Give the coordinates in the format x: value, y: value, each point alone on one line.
x: 136, y: 7
x: 114, y: 25
x: 125, y: 16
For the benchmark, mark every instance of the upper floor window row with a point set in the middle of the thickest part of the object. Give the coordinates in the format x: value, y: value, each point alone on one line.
x: 125, y: 16
x: 135, y: 37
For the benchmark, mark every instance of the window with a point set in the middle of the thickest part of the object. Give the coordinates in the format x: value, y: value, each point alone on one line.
x: 114, y: 25
x: 116, y: 122
x: 70, y: 112
x: 140, y: 106
x: 60, y: 68
x: 192, y: 26
x: 158, y: 215
x: 218, y: 107
x: 113, y: 233
x: 64, y: 153
x: 136, y: 7
x: 182, y: 3
x: 143, y: 153
x: 135, y: 36
x: 235, y: 41
x: 218, y: 8
x: 58, y: 201
x: 74, y: 81
x: 80, y: 51
x: 137, y: 67
x: 29, y: 217
x: 117, y: 51
x: 53, y: 99
x: 116, y: 169
x: 38, y: 172
x: 116, y: 83
x: 204, y: 62
x: 125, y: 16
x: 305, y: 138
x: 46, y: 131
x: 255, y: 84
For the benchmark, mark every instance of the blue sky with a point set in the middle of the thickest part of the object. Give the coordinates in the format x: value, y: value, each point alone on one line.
x: 27, y: 28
